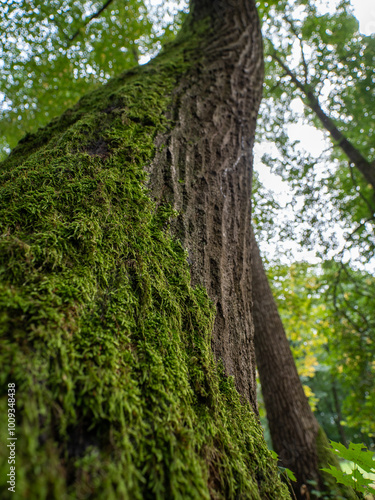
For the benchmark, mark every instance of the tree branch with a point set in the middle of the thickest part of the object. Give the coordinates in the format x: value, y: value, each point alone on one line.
x: 366, y: 168
x: 89, y: 19
x: 355, y: 185
x: 297, y: 35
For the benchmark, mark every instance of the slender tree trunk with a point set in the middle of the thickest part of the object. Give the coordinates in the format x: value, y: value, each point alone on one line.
x: 295, y: 432
x: 105, y: 339
x: 338, y: 417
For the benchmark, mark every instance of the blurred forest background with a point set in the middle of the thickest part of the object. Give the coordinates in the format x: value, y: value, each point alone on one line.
x: 314, y: 204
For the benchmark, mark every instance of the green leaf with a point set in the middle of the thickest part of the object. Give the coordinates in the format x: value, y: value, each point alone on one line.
x: 274, y: 454
x: 290, y: 474
x: 341, y: 477
x: 356, y: 453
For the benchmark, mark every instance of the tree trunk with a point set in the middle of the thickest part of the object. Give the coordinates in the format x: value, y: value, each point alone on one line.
x: 337, y: 410
x: 106, y: 341
x: 296, y: 435
x: 208, y: 179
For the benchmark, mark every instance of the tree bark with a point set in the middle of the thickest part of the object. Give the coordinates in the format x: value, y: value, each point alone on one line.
x: 208, y: 179
x: 296, y: 435
x: 106, y: 340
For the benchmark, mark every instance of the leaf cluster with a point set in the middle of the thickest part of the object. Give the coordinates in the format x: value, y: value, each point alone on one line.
x: 362, y: 461
x: 54, y: 52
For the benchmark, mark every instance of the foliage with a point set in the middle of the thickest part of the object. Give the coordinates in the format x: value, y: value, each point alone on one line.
x: 362, y: 460
x: 310, y: 50
x: 284, y: 471
x: 352, y: 294
x: 327, y: 310
x: 117, y: 391
x: 330, y: 489
x: 53, y: 52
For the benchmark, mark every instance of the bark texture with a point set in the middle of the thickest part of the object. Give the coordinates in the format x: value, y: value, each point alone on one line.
x: 205, y: 171
x: 296, y: 435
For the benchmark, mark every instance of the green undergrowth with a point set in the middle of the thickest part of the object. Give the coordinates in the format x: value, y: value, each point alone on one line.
x: 331, y: 490
x: 117, y: 392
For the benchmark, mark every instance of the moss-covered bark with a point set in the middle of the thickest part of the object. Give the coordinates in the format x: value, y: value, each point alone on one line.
x: 118, y: 395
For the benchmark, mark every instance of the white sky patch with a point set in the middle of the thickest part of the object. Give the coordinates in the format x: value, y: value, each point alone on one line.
x: 364, y: 11
x: 271, y: 181
x: 312, y: 139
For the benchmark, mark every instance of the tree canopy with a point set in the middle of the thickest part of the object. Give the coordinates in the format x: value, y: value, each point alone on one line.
x: 319, y: 60
x: 54, y: 52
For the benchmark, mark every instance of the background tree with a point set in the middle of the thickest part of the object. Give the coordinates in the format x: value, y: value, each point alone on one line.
x: 297, y: 437
x: 107, y: 341
x: 321, y: 59
x: 332, y: 339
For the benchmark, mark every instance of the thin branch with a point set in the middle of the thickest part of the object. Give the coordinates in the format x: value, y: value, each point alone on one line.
x: 338, y: 418
x: 339, y: 311
x: 355, y: 325
x: 360, y: 226
x: 355, y: 184
x: 88, y: 20
x: 366, y: 168
x: 277, y: 84
x: 300, y: 40
x: 335, y: 287
x: 306, y: 71
x: 343, y: 312
x: 357, y: 288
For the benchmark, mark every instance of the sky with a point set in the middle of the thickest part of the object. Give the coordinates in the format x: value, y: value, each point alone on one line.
x: 364, y: 11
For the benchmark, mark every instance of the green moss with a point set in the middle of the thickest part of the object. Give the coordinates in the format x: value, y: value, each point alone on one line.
x: 118, y: 395
x: 332, y: 489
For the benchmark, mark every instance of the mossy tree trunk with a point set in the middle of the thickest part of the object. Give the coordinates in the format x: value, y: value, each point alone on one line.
x: 107, y: 320
x: 296, y: 436
x: 202, y: 167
